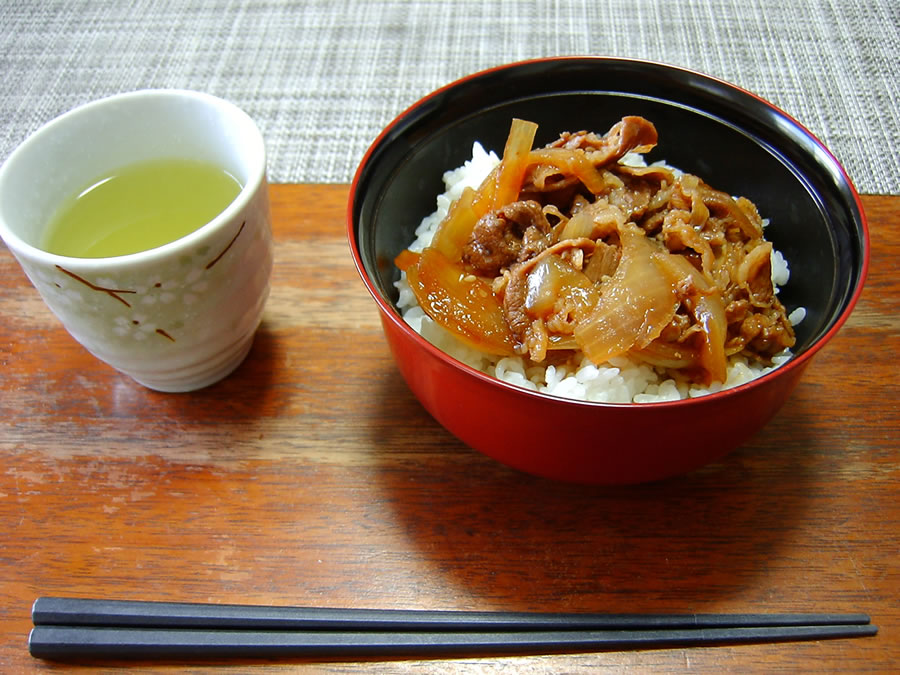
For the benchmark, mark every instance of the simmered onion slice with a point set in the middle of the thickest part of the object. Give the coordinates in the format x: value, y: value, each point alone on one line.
x: 704, y: 301
x: 635, y: 303
x: 458, y: 301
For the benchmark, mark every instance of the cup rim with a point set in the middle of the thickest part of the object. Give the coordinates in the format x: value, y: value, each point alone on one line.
x: 256, y: 179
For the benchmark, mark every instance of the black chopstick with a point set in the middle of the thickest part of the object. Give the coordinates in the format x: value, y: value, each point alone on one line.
x: 95, y: 612
x: 81, y: 642
x: 78, y: 628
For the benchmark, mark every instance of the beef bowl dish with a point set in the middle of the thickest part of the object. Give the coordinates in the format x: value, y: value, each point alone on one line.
x: 603, y: 270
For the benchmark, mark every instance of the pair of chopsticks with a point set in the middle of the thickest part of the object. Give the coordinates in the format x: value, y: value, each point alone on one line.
x: 80, y: 628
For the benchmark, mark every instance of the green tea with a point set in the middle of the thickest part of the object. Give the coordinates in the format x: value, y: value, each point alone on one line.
x: 139, y: 207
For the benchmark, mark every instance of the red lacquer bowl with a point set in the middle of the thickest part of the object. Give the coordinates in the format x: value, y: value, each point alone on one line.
x: 730, y: 137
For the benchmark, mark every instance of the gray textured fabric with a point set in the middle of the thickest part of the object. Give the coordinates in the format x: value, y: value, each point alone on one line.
x: 323, y: 77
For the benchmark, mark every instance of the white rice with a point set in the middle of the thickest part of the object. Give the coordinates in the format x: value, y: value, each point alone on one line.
x: 620, y: 380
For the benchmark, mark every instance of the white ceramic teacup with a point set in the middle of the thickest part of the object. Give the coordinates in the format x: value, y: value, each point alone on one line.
x: 175, y: 318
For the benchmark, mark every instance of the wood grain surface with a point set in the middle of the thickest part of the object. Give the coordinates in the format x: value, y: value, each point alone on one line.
x: 311, y: 476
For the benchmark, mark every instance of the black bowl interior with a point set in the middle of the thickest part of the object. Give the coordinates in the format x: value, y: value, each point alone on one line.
x: 733, y: 140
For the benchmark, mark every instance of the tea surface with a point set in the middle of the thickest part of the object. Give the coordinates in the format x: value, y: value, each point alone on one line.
x: 139, y: 207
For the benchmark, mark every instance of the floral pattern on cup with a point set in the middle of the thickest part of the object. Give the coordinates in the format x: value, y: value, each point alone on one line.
x: 146, y: 307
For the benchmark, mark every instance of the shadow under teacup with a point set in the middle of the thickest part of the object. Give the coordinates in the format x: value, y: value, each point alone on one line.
x: 175, y: 317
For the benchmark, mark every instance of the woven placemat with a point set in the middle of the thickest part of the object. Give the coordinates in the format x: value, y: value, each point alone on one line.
x: 322, y: 78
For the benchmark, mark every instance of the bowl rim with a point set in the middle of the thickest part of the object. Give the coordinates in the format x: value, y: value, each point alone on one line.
x: 389, y: 312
